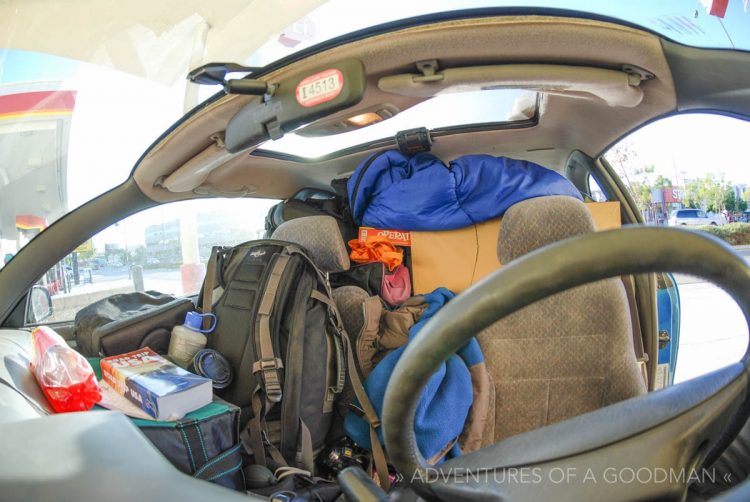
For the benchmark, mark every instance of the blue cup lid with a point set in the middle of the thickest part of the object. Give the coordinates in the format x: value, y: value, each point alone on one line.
x: 193, y: 320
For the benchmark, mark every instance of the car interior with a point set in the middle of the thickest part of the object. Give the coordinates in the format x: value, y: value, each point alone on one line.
x: 560, y: 294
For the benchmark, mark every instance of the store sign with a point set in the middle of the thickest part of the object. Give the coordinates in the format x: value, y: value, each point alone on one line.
x: 672, y: 195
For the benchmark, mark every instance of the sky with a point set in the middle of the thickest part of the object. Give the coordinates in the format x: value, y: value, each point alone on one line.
x: 117, y: 115
x: 685, y: 21
x: 690, y: 146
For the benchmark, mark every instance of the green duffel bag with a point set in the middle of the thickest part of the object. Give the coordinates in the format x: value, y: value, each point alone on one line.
x: 204, y: 443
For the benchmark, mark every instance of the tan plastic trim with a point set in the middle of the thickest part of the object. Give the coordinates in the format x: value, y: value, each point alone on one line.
x: 194, y: 172
x: 615, y: 87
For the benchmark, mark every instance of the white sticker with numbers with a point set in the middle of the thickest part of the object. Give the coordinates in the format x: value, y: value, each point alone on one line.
x: 320, y: 88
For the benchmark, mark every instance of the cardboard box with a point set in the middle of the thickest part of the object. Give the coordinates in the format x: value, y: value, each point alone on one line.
x: 456, y: 259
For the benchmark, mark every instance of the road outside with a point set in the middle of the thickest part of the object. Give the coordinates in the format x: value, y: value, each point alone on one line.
x: 713, y: 330
x: 113, y: 280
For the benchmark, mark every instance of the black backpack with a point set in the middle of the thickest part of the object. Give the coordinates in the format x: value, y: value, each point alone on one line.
x: 281, y: 333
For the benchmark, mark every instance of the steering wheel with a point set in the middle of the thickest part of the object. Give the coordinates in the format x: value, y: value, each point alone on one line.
x: 647, y: 447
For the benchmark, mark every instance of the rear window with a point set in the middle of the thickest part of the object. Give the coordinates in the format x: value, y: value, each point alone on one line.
x: 489, y: 108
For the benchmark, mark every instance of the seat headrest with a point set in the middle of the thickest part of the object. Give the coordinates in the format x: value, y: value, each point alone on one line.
x: 321, y: 237
x: 534, y: 223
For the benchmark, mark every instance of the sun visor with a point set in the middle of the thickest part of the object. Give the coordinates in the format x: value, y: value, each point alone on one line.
x: 615, y: 87
x: 295, y: 102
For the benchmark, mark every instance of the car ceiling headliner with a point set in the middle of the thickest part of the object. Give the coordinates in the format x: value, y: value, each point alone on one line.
x: 567, y: 123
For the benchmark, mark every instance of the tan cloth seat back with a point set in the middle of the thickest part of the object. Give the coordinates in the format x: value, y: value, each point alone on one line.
x: 565, y: 355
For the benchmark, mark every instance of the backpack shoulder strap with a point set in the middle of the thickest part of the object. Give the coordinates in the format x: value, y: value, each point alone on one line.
x: 378, y: 455
x: 268, y: 364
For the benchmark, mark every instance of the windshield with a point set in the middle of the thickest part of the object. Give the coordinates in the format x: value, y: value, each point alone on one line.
x: 80, y: 100
x: 69, y: 131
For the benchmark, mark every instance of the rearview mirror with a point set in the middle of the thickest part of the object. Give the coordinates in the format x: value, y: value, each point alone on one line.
x: 295, y: 102
x: 38, y: 305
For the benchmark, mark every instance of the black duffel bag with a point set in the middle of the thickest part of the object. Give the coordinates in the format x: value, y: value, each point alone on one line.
x: 204, y: 444
x: 312, y: 202
x: 129, y: 321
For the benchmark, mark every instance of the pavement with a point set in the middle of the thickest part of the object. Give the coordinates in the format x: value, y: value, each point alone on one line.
x: 713, y: 331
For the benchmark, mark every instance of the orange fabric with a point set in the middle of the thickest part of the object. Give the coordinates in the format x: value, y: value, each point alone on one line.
x: 376, y: 248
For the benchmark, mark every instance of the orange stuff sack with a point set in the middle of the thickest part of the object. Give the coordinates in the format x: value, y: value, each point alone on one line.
x: 376, y: 248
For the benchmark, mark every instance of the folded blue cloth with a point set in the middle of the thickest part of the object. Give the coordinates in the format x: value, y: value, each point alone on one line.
x: 445, y: 401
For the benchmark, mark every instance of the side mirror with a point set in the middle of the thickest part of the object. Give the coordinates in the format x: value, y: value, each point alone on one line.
x: 38, y: 305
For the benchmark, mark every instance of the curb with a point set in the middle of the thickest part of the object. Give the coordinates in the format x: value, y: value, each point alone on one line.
x: 743, y: 247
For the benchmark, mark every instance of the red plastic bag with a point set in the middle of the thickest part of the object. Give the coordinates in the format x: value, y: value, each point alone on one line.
x: 65, y: 376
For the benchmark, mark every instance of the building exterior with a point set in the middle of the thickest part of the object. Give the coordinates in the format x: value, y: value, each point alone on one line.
x: 35, y: 120
x: 663, y: 201
x: 164, y: 247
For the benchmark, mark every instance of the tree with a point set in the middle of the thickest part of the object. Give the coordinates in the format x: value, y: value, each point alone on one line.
x: 662, y: 182
x: 624, y: 159
x: 87, y: 254
x: 706, y: 193
x: 741, y: 205
x: 138, y: 255
x: 730, y: 200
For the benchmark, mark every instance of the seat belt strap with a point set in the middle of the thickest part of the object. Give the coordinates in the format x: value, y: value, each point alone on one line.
x: 208, y: 287
x: 640, y: 353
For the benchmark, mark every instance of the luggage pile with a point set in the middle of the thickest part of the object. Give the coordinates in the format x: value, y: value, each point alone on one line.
x: 299, y: 332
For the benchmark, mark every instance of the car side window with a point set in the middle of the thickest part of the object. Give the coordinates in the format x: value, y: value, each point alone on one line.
x: 690, y: 171
x: 595, y: 191
x: 164, y: 249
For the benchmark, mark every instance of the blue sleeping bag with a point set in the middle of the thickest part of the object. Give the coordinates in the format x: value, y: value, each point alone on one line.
x: 389, y: 190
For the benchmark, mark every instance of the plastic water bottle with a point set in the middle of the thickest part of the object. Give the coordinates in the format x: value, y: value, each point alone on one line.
x: 188, y: 338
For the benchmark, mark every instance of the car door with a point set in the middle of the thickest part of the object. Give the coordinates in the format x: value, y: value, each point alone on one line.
x: 700, y: 327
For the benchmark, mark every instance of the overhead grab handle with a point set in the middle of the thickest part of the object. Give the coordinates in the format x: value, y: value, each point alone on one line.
x: 615, y: 87
x: 194, y: 172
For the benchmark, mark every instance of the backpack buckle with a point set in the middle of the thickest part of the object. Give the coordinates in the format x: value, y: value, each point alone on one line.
x: 268, y: 367
x: 269, y: 363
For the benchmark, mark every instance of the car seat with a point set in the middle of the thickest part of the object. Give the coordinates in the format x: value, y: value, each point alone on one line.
x: 565, y: 355
x: 321, y: 236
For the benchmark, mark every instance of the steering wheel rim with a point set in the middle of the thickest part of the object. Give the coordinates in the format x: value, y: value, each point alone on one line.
x: 544, y: 272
